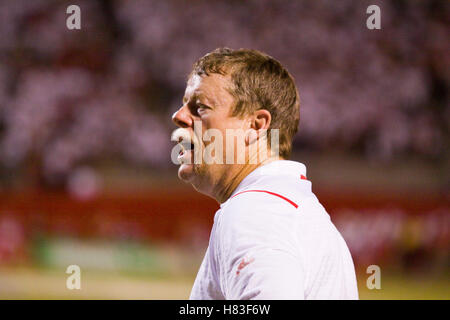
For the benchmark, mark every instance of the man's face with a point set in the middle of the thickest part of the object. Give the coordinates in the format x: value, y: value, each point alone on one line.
x: 207, y: 101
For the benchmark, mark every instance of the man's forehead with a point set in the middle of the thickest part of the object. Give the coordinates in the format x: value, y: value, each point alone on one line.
x: 209, y: 86
x: 193, y: 86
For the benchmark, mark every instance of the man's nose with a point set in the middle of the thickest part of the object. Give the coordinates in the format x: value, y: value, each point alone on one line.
x: 182, y: 117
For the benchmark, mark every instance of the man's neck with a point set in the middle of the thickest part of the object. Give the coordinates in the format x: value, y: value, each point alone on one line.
x: 225, y: 188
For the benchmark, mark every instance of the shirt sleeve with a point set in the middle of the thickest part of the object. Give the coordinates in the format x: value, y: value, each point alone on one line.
x: 258, y: 251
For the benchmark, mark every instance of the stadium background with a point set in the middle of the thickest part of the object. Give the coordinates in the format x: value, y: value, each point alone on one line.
x: 85, y: 170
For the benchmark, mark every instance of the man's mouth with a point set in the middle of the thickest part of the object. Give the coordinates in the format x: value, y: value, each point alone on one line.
x: 185, y: 147
x: 185, y: 143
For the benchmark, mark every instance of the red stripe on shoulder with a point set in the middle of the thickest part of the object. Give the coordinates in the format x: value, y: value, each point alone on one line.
x: 272, y: 193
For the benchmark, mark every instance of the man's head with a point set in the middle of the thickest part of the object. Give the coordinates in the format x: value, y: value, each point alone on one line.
x: 236, y: 89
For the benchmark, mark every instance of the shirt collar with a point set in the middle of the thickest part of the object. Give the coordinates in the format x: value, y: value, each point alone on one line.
x: 275, y: 168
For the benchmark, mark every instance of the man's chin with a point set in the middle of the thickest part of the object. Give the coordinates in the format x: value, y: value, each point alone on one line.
x: 186, y: 172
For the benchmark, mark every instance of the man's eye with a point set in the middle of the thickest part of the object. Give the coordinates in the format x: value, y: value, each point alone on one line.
x: 201, y: 107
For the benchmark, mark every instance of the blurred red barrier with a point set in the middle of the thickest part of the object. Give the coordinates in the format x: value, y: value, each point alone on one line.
x: 375, y: 226
x: 168, y: 216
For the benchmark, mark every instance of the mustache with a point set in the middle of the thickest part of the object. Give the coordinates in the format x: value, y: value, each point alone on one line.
x: 181, y: 134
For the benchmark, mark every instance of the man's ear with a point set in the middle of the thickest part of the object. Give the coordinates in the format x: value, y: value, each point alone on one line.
x: 259, y: 124
x: 261, y: 120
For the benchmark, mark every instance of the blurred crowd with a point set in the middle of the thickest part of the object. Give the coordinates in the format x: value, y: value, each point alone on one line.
x: 71, y: 97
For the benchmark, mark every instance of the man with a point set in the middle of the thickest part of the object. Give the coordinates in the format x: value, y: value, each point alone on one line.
x: 271, y: 238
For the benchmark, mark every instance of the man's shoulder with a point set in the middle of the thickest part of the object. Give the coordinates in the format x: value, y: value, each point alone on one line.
x: 277, y: 191
x: 270, y: 213
x: 256, y: 220
x: 260, y: 206
x: 274, y: 198
x: 261, y: 198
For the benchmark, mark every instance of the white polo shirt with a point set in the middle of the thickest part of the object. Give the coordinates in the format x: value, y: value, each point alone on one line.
x: 272, y: 239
